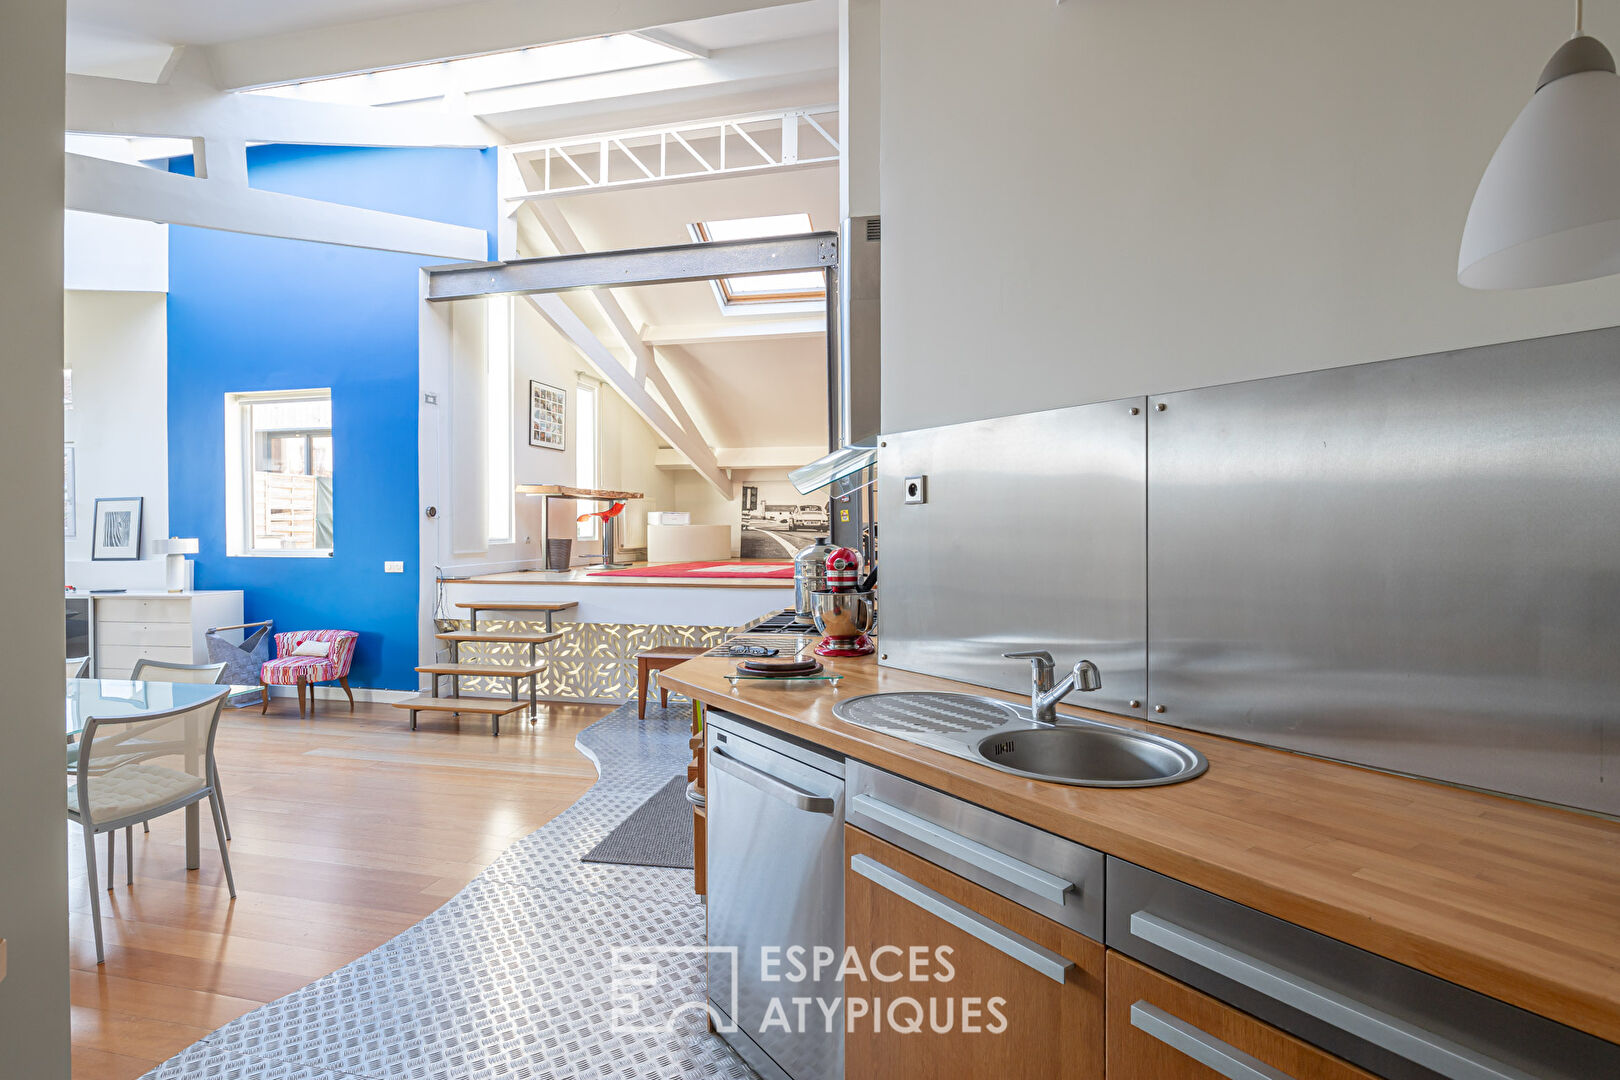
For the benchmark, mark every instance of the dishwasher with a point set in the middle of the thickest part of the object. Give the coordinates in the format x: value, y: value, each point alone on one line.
x: 776, y: 900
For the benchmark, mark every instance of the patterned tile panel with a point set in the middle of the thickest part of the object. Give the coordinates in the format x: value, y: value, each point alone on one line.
x: 590, y: 662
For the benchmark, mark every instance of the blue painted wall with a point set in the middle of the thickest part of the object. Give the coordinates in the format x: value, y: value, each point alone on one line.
x: 259, y: 313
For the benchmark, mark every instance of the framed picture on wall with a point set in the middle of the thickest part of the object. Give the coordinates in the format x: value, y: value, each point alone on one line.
x: 548, y: 406
x: 117, y: 533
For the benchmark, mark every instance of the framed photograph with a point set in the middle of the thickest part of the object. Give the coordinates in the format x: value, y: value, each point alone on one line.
x: 70, y: 505
x: 548, y: 406
x: 117, y: 533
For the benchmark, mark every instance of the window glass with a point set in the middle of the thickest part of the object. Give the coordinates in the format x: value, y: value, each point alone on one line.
x: 285, y: 498
x: 587, y: 468
x: 805, y: 285
x: 498, y: 435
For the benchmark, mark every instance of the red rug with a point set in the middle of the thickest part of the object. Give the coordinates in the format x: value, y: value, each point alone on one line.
x: 705, y: 570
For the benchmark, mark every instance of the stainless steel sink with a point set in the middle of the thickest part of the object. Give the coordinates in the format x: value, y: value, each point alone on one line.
x: 1091, y: 755
x: 1086, y: 753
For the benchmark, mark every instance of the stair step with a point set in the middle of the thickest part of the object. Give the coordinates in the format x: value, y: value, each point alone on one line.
x: 497, y: 638
x: 482, y: 705
x: 508, y: 671
x: 520, y: 605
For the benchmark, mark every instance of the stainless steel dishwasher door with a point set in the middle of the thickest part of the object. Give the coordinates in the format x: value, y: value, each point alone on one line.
x: 776, y: 885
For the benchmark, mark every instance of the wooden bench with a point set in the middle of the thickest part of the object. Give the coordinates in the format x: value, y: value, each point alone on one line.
x: 660, y: 659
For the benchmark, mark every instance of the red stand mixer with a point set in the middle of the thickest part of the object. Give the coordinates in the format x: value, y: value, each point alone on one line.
x: 843, y: 613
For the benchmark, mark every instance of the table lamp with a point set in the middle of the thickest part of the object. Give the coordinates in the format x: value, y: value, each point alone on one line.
x: 177, y: 567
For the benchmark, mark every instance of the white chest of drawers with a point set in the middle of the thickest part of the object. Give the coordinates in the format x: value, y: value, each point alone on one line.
x: 157, y: 626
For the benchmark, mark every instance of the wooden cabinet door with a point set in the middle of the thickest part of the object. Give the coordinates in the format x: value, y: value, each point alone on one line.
x: 1162, y: 1029
x: 1011, y: 993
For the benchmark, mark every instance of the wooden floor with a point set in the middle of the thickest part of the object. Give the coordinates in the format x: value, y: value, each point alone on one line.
x: 347, y: 830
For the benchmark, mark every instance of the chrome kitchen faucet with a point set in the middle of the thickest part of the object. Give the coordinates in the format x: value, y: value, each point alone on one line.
x: 1043, y: 696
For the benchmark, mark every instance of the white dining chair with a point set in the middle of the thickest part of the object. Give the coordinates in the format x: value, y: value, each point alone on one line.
x: 77, y: 666
x: 132, y: 769
x: 168, y: 671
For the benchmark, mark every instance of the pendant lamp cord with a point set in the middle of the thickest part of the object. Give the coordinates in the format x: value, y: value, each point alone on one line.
x: 1580, y: 17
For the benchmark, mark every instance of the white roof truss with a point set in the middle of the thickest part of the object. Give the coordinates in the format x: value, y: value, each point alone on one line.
x: 676, y: 424
x: 675, y: 153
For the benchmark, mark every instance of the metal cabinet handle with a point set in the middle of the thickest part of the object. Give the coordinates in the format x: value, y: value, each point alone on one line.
x: 1397, y: 1036
x: 770, y: 785
x: 996, y: 936
x: 1201, y: 1046
x: 1013, y: 871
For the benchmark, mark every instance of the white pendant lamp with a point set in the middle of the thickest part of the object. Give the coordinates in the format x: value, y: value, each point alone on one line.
x: 1547, y: 211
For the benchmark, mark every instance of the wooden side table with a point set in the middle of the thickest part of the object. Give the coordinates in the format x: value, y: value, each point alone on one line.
x: 659, y: 660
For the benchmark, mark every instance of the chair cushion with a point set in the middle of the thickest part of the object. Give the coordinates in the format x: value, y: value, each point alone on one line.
x: 342, y: 642
x: 130, y: 789
x: 313, y: 648
x: 290, y: 670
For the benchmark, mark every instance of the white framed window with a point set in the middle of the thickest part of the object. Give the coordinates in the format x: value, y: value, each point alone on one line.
x: 278, y: 473
x: 763, y: 294
x: 587, y: 453
x: 500, y: 494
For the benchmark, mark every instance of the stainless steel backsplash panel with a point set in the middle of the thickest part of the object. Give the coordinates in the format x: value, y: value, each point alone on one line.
x: 1413, y: 565
x: 1033, y: 537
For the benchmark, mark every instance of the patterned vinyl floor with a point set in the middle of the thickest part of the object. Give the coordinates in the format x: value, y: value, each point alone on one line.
x: 519, y: 976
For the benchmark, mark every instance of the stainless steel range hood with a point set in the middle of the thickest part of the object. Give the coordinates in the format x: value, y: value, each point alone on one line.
x: 842, y: 462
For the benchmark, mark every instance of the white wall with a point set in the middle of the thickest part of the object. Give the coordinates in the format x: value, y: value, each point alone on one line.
x: 117, y: 345
x: 1184, y: 193
x: 33, y: 848
x: 628, y: 447
x: 110, y: 253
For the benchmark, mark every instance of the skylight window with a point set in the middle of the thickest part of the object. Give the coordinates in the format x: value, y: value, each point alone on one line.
x: 496, y: 71
x: 800, y: 286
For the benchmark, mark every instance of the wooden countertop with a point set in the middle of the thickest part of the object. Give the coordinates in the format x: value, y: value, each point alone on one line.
x: 1514, y: 900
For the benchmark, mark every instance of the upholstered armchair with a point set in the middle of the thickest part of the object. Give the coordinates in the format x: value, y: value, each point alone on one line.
x: 302, y: 661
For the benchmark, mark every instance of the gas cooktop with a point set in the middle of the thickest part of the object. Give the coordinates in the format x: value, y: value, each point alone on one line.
x: 784, y: 630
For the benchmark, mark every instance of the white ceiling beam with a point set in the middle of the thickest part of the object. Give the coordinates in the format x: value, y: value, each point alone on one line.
x: 674, y: 41
x: 183, y: 109
x: 789, y: 72
x: 804, y: 329
x: 748, y: 457
x: 98, y: 186
x: 458, y: 30
x: 690, y: 446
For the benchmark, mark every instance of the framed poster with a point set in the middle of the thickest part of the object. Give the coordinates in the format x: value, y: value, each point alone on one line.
x: 117, y: 533
x: 548, y: 406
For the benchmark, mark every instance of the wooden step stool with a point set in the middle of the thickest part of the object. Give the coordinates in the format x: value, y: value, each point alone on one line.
x: 545, y: 607
x: 479, y: 637
x: 494, y: 708
x: 516, y: 672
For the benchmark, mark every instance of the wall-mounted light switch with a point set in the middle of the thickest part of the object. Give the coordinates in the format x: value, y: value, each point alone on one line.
x: 429, y: 398
x: 393, y: 567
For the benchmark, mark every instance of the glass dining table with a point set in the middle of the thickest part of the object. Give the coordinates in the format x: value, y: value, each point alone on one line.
x: 123, y: 699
